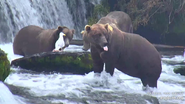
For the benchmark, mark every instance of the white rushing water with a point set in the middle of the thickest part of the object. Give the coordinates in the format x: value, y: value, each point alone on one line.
x: 6, y: 96
x: 170, y: 85
x: 17, y: 14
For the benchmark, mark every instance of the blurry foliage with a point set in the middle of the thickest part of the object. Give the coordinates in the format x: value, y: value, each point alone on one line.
x: 98, y: 12
x: 166, y: 17
x: 163, y: 16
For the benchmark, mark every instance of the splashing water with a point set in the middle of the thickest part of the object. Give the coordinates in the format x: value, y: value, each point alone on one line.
x: 6, y: 97
x: 170, y: 85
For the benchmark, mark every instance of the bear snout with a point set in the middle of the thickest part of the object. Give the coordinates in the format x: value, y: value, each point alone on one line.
x: 104, y: 44
x: 66, y: 42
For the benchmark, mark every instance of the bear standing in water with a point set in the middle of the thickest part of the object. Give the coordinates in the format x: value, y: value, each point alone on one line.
x: 128, y: 52
x: 34, y: 39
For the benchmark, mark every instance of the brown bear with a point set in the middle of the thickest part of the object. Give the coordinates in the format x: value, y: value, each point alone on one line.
x: 86, y: 43
x: 121, y: 19
x: 34, y: 39
x: 128, y: 52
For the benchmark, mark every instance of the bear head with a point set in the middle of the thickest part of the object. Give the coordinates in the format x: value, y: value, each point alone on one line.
x: 68, y: 34
x: 98, y: 35
x: 86, y: 43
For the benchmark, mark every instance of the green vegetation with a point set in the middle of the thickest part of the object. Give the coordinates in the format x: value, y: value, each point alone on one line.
x: 98, y: 12
x: 166, y: 17
x: 4, y: 66
x: 77, y: 63
x: 167, y: 13
x: 83, y: 61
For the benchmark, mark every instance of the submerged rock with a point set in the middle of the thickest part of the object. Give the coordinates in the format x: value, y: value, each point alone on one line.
x: 173, y: 62
x: 180, y: 70
x: 64, y: 62
x: 103, y: 97
x: 4, y: 66
x: 89, y: 97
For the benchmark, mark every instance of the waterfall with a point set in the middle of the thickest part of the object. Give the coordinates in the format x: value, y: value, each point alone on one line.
x: 16, y: 14
x: 78, y: 10
x: 44, y: 13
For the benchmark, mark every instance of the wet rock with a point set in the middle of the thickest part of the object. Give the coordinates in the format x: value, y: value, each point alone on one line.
x: 89, y: 97
x: 161, y: 47
x: 28, y: 97
x: 180, y: 70
x: 64, y: 62
x: 102, y: 97
x: 76, y: 42
x: 173, y: 62
x: 4, y: 66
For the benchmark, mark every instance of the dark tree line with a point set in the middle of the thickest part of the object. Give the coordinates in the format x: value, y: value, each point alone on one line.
x: 166, y: 17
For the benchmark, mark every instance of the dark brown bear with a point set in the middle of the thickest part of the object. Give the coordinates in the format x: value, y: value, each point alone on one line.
x: 34, y: 39
x: 128, y: 52
x: 121, y: 19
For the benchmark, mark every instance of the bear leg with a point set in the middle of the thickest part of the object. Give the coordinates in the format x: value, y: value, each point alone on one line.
x: 144, y: 82
x: 151, y: 82
x: 98, y: 66
x: 97, y: 61
x: 109, y: 68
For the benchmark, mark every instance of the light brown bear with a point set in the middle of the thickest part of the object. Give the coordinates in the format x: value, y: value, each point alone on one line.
x: 34, y: 39
x: 128, y: 52
x: 121, y: 19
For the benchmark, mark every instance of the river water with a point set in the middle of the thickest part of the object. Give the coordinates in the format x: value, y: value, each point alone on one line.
x: 56, y: 88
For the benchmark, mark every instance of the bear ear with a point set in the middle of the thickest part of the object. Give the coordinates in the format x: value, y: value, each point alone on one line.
x: 61, y: 27
x: 87, y: 28
x: 82, y: 32
x: 108, y: 27
x: 73, y: 31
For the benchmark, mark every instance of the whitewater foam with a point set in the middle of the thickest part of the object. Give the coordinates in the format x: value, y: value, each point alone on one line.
x: 72, y: 86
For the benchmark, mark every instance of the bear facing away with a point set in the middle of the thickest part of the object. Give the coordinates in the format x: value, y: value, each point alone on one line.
x: 34, y: 39
x: 121, y: 19
x: 128, y: 52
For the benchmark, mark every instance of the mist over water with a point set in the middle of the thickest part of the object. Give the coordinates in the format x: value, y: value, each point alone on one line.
x: 71, y: 89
